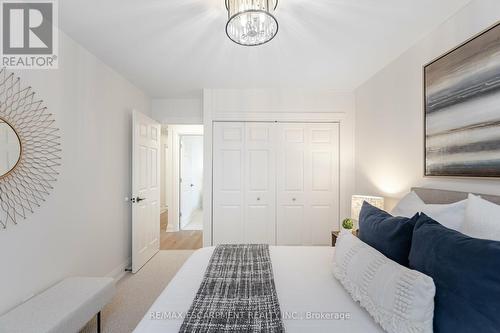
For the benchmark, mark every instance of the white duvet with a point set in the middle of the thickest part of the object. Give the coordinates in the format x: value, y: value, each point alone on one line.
x: 310, y: 297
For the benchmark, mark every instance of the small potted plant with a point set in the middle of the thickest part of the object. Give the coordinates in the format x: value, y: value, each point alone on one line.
x: 348, y: 225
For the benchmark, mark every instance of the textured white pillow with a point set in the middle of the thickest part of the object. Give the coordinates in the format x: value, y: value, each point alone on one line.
x: 451, y: 216
x: 482, y: 219
x: 399, y: 299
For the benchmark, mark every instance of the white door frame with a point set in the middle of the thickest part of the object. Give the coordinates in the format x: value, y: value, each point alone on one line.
x: 210, y: 115
x: 173, y: 201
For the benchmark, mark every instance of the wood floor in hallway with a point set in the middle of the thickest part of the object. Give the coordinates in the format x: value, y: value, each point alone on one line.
x: 181, y: 240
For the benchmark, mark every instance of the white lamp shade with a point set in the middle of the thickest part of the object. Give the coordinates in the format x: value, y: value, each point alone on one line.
x: 357, y: 203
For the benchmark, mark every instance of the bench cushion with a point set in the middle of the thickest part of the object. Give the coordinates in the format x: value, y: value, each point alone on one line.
x: 65, y: 307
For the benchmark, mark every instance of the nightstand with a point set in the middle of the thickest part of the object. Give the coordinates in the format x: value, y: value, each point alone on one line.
x: 335, y: 234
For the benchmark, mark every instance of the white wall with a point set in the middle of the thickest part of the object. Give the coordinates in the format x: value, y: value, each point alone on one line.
x: 290, y: 104
x: 178, y: 111
x: 84, y: 226
x: 389, y: 113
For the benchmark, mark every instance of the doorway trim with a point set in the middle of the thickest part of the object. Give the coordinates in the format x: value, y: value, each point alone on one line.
x: 173, y: 170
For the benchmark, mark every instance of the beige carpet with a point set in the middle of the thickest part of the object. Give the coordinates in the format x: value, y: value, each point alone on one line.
x: 136, y: 293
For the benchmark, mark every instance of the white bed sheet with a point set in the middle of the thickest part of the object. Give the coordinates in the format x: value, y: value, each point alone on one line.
x: 304, y: 282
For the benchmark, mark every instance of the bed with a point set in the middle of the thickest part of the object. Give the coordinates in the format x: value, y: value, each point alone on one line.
x: 313, y: 290
x: 310, y: 298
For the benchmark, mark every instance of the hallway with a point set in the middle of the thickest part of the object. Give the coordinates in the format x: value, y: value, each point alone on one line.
x: 180, y: 240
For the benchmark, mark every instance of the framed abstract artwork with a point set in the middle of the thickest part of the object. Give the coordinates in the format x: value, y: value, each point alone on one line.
x: 462, y: 109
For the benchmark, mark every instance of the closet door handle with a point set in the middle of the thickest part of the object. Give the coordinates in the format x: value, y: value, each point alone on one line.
x: 294, y: 199
x: 258, y: 199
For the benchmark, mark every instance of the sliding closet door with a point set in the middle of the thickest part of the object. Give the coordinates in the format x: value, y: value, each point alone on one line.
x: 228, y: 182
x: 307, y: 183
x: 260, y: 183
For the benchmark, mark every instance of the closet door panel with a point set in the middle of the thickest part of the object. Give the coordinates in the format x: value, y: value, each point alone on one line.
x: 258, y: 169
x: 323, y: 186
x: 307, y: 180
x: 321, y: 171
x: 228, y: 229
x: 291, y: 170
x: 257, y: 224
x: 322, y: 225
x: 228, y: 186
x: 290, y: 224
x: 260, y: 183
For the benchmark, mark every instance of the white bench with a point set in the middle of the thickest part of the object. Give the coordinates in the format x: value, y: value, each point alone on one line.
x: 65, y: 307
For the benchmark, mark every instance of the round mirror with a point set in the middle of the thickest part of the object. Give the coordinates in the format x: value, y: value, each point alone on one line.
x: 10, y: 148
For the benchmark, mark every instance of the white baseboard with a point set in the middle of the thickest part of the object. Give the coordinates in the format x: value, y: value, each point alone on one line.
x: 172, y: 228
x: 119, y: 272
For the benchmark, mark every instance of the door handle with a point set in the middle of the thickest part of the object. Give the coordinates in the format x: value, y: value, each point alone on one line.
x: 191, y: 185
x: 138, y: 199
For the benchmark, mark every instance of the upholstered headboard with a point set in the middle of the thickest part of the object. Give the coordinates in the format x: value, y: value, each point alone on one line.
x: 435, y: 196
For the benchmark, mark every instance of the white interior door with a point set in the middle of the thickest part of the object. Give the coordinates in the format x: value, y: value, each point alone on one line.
x: 191, y: 177
x: 186, y: 185
x: 145, y: 190
x: 308, y: 183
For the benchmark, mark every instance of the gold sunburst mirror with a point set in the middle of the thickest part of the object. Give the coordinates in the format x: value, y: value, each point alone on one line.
x: 29, y: 150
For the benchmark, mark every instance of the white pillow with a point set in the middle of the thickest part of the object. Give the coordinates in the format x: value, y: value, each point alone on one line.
x: 451, y: 216
x: 408, y: 206
x: 399, y: 299
x: 482, y: 219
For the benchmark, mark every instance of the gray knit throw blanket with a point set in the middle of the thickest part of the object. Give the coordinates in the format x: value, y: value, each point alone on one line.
x: 237, y: 293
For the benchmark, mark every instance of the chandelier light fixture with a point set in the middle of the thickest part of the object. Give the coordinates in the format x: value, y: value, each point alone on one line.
x: 251, y: 22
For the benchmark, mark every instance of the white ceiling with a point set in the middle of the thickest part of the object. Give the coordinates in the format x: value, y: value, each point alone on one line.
x: 174, y: 48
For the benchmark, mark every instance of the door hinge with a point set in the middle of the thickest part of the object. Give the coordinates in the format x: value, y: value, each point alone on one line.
x: 180, y: 214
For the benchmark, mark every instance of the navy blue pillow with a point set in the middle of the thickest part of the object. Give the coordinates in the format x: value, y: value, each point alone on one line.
x: 466, y: 272
x: 388, y: 234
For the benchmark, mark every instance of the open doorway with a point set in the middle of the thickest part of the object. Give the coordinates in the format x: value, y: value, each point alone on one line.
x: 181, y: 225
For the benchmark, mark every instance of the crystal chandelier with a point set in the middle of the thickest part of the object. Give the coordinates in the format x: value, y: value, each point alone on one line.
x: 251, y: 22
